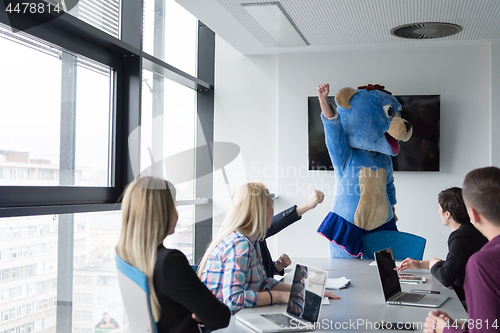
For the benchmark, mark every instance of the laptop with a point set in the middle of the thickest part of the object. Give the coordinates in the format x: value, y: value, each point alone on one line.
x: 392, y: 288
x: 303, y: 308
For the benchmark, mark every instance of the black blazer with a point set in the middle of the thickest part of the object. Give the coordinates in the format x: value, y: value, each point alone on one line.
x: 462, y: 243
x: 181, y: 293
x: 280, y: 221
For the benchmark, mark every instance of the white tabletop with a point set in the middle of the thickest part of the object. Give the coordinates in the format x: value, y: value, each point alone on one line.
x: 362, y: 304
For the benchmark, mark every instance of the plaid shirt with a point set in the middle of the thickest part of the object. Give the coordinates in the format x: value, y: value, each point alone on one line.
x: 234, y: 272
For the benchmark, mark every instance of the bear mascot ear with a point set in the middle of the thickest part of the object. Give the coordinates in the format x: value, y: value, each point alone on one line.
x: 343, y: 97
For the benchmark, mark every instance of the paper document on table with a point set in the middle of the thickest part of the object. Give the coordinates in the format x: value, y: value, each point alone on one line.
x: 326, y: 301
x: 338, y: 283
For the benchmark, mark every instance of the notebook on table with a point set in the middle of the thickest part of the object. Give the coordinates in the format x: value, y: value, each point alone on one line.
x: 392, y: 288
x: 303, y: 308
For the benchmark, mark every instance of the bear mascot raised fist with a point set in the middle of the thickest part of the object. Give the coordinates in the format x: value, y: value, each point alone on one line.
x: 362, y: 132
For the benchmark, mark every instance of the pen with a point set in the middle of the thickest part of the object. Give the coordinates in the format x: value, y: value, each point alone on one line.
x: 423, y: 291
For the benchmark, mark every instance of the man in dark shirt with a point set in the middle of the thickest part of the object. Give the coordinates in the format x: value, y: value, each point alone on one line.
x: 481, y: 193
x: 464, y: 241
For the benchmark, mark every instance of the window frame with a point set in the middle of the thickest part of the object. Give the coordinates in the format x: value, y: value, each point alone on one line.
x: 127, y: 59
x: 80, y: 38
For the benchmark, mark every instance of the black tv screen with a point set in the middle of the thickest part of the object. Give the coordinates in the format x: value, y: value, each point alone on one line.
x: 420, y: 153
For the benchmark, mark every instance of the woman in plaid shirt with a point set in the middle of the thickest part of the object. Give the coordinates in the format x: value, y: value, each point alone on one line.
x: 232, y: 267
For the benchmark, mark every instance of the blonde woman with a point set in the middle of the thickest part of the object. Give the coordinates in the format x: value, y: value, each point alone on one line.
x: 178, y: 297
x: 232, y: 267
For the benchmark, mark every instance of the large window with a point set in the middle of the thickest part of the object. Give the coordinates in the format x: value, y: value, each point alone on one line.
x: 31, y: 263
x: 28, y: 273
x: 171, y: 131
x: 168, y: 147
x: 55, y: 104
x: 95, y: 282
x: 84, y: 111
x: 168, y: 132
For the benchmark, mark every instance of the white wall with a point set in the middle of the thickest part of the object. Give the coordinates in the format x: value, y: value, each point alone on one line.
x: 460, y: 74
x: 246, y: 96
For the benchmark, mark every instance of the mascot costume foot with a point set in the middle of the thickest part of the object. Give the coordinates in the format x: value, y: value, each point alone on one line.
x: 362, y: 132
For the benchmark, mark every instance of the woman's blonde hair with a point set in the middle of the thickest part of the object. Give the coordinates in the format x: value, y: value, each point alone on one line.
x: 246, y: 215
x: 148, y: 207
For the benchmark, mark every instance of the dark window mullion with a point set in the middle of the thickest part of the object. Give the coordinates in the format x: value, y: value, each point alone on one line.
x: 65, y: 250
x: 205, y: 112
x: 131, y: 23
x: 67, y: 151
x: 129, y: 84
x: 67, y: 154
x: 158, y: 88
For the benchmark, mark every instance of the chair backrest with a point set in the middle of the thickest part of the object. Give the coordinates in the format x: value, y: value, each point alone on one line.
x: 136, y: 299
x: 404, y: 245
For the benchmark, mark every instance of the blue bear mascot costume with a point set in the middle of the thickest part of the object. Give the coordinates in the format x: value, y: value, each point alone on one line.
x: 361, y: 133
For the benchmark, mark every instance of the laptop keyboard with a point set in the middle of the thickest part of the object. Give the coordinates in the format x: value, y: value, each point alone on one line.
x: 280, y: 319
x: 408, y: 297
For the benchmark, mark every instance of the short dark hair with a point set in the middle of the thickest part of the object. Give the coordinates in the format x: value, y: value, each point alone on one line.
x: 451, y: 201
x: 482, y: 192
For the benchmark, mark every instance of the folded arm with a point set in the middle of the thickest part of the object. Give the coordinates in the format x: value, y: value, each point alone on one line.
x: 186, y: 289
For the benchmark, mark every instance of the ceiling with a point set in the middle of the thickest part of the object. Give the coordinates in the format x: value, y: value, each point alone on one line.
x: 337, y: 24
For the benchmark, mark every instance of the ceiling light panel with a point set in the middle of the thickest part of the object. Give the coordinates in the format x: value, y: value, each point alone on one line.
x: 274, y: 20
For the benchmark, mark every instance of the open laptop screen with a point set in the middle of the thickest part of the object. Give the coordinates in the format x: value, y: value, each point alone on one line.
x: 388, y: 275
x: 306, y: 294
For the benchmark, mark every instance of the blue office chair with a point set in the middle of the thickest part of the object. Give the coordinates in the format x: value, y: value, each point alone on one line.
x: 404, y: 245
x: 135, y: 293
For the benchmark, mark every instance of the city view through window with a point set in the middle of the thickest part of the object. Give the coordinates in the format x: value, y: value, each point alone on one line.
x: 40, y: 84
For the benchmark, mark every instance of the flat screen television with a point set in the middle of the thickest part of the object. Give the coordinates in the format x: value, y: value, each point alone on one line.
x: 420, y: 153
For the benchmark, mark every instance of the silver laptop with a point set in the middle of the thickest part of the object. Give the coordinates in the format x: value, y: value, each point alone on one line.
x: 303, y: 308
x: 392, y: 288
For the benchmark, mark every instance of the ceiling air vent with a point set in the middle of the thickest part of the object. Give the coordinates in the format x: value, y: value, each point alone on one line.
x: 426, y: 30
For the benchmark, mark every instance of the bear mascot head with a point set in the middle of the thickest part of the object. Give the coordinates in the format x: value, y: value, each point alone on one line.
x: 371, y: 118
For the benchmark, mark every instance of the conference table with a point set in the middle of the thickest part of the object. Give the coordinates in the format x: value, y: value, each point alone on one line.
x: 362, y: 305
